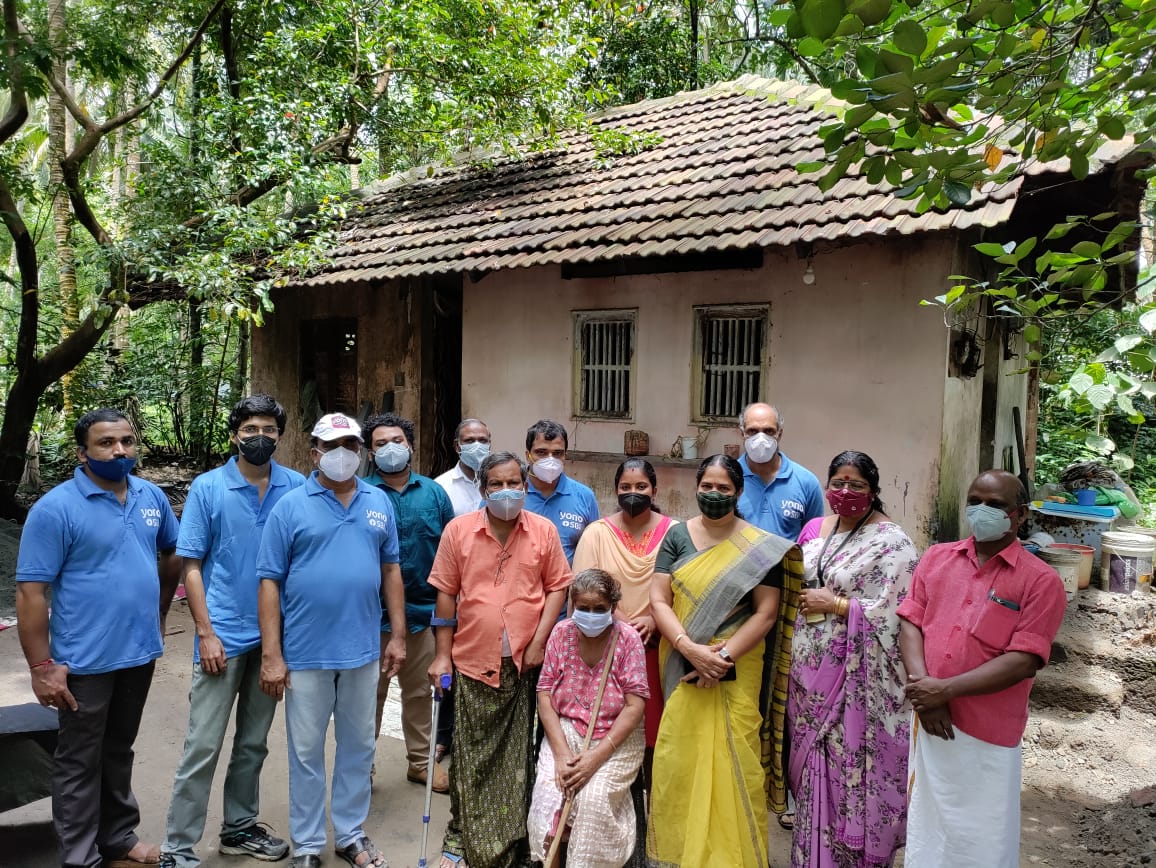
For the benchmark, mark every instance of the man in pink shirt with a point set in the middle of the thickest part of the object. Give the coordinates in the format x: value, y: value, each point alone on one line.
x: 976, y: 627
x: 501, y: 577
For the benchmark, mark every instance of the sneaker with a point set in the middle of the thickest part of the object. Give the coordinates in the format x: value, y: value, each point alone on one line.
x: 255, y: 842
x: 168, y: 860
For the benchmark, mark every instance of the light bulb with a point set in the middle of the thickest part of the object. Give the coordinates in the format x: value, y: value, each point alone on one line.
x: 809, y: 274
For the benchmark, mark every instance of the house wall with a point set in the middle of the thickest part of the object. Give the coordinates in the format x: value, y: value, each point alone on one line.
x: 855, y: 362
x: 389, y: 319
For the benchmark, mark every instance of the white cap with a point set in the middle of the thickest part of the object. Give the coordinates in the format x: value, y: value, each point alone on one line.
x: 336, y: 426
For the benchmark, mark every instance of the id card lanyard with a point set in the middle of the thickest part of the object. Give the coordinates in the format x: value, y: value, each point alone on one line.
x: 820, y: 567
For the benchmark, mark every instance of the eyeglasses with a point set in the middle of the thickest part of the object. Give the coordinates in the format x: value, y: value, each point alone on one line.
x: 250, y: 430
x: 502, y: 558
x: 853, y: 484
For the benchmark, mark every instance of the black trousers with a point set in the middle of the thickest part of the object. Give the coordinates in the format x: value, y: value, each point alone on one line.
x: 93, y: 808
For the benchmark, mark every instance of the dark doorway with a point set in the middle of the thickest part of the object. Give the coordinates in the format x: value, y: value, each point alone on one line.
x: 445, y: 371
x: 328, y: 367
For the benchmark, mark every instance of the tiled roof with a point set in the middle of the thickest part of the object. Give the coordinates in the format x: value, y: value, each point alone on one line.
x: 722, y: 178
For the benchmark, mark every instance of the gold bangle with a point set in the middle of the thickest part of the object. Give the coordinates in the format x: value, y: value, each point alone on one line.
x: 677, y: 638
x: 842, y: 606
x: 613, y: 746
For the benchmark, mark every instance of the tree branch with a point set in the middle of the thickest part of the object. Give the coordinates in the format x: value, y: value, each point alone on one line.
x: 25, y: 249
x: 17, y: 112
x: 87, y: 143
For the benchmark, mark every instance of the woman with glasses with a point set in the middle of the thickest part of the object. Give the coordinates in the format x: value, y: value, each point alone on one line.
x: 847, y: 716
x: 719, y: 587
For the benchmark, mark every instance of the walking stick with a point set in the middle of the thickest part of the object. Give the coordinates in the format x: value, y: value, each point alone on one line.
x: 554, y: 839
x: 429, y: 770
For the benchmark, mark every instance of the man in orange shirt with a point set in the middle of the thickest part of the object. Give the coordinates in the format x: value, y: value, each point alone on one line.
x: 501, y: 578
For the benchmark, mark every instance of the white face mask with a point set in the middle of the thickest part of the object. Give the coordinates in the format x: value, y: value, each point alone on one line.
x: 340, y: 464
x: 547, y: 469
x: 761, y: 448
x: 506, y: 503
x: 593, y: 623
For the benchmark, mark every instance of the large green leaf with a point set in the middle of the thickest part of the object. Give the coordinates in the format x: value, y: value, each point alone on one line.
x: 910, y: 37
x: 821, y: 17
x: 1100, y: 396
x: 1100, y: 444
x: 1148, y: 320
x: 870, y: 12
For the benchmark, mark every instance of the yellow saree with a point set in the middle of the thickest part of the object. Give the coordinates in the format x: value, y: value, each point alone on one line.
x: 718, y: 760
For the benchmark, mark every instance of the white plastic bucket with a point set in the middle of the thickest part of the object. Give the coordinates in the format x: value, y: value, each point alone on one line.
x: 1087, y: 556
x: 1067, y: 564
x: 1126, y: 561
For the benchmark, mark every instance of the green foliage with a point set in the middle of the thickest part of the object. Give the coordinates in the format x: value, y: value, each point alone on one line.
x: 611, y: 142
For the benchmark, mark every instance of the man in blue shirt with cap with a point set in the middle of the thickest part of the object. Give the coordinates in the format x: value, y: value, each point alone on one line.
x: 95, y: 541
x: 328, y: 558
x: 220, y: 530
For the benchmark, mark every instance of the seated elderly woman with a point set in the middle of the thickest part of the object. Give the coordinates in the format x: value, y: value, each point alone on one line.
x: 601, y: 824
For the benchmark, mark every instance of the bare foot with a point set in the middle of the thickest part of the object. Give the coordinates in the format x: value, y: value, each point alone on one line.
x: 140, y: 854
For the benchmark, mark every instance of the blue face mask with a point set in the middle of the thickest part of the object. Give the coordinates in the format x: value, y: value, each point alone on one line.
x: 113, y: 470
x: 506, y: 503
x: 473, y: 453
x: 987, y: 522
x: 593, y: 623
x: 392, y: 457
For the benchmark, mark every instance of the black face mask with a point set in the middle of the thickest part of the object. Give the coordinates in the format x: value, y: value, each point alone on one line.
x: 634, y: 504
x: 257, y: 450
x: 715, y: 504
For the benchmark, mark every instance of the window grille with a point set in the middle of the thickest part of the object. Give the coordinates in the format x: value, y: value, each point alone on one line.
x: 731, y: 360
x: 604, y: 363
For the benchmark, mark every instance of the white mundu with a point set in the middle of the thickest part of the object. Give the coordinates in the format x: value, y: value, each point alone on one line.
x: 963, y: 802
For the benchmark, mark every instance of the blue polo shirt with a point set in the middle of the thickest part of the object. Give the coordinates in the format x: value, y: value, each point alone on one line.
x: 221, y: 525
x: 792, y: 499
x: 423, y: 509
x: 327, y: 560
x: 570, y: 508
x: 100, y: 557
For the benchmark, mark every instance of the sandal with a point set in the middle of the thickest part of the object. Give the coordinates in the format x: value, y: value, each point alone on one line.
x: 361, y: 846
x: 787, y: 821
x: 452, y: 860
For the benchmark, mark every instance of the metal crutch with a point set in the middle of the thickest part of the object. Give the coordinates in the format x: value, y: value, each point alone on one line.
x: 445, y: 682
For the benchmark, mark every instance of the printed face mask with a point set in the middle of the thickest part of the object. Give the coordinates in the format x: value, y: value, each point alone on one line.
x: 761, y: 448
x: 506, y: 504
x: 473, y: 453
x: 340, y: 464
x: 715, y: 504
x: 257, y: 450
x: 593, y: 623
x: 634, y: 504
x: 547, y: 469
x: 848, y: 503
x: 987, y: 522
x: 392, y: 457
x: 113, y: 470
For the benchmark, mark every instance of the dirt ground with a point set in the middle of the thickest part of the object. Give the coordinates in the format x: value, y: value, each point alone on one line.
x: 1089, y: 791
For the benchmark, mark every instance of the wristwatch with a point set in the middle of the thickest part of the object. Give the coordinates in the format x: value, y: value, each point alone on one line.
x: 725, y: 654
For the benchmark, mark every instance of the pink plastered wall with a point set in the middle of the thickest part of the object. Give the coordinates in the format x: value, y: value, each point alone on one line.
x: 855, y: 362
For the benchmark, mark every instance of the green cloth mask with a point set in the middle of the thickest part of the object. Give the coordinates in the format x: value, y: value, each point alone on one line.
x: 715, y: 504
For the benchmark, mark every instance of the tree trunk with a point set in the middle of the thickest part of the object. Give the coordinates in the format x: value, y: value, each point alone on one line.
x: 196, y: 391
x: 240, y: 381
x: 58, y: 146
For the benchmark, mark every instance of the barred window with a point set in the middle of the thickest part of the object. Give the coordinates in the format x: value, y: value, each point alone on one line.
x: 730, y: 360
x: 604, y: 363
